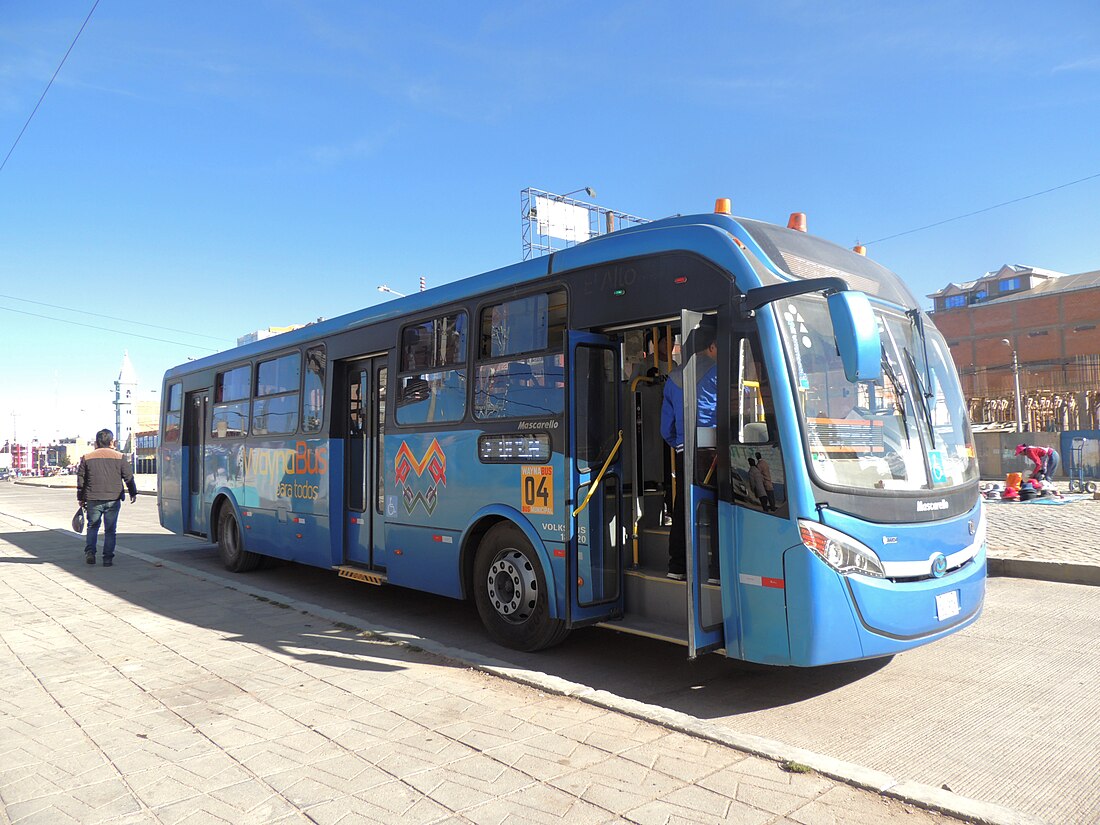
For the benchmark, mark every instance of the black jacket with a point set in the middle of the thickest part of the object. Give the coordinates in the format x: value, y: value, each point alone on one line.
x: 102, y: 474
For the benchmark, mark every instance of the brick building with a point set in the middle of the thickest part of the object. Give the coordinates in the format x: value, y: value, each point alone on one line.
x: 1051, y: 320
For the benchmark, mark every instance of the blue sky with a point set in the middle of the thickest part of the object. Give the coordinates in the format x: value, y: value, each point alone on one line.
x: 213, y: 168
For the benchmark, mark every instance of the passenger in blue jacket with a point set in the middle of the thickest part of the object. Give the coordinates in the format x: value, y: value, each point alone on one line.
x: 672, y: 431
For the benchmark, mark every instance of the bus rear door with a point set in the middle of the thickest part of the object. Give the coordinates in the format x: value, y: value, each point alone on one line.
x: 365, y: 411
x: 194, y: 443
x: 594, y: 565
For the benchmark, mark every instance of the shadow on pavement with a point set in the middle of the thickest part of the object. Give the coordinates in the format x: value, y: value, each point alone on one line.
x: 305, y: 638
x: 633, y: 667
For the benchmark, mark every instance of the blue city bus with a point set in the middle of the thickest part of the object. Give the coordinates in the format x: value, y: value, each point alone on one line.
x: 498, y: 439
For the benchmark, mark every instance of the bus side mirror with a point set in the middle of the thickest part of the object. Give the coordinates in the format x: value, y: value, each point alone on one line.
x: 857, y: 336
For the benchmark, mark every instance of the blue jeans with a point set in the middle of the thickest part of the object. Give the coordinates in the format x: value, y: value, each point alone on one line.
x: 107, y: 512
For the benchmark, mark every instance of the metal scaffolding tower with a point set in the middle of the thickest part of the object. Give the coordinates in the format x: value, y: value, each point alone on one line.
x: 552, y: 222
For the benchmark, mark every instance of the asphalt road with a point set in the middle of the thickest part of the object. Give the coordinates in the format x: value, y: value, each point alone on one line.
x: 1006, y: 711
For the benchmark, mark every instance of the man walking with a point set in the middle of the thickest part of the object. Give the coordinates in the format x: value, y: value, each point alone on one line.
x: 756, y: 484
x: 100, y: 479
x: 769, y: 486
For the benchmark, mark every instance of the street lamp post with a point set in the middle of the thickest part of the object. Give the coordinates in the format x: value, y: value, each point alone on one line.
x: 588, y: 190
x: 384, y: 288
x: 1016, y: 380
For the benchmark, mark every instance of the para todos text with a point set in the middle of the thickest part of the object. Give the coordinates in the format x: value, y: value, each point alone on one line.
x: 291, y: 473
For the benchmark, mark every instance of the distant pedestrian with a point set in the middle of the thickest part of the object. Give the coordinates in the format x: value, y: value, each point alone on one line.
x: 756, y: 484
x: 102, y: 479
x: 769, y: 486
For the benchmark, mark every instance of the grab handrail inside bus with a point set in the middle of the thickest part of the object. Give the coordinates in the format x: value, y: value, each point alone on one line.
x: 710, y: 472
x: 641, y: 379
x: 596, y: 481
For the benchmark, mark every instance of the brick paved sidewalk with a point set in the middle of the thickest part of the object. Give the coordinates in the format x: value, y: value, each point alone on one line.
x: 139, y: 694
x: 1052, y: 542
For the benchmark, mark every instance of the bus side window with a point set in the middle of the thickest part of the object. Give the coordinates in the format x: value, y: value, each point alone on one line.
x: 313, y: 393
x: 275, y: 402
x: 756, y: 460
x: 432, y: 384
x: 232, y: 393
x: 520, y: 364
x: 752, y: 398
x: 173, y: 412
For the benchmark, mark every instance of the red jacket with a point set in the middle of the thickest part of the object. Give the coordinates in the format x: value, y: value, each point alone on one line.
x: 1038, y: 455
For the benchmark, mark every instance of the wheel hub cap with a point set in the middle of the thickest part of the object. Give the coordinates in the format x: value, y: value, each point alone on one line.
x: 512, y: 586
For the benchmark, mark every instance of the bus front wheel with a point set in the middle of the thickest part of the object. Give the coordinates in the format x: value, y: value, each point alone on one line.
x: 510, y: 591
x: 234, y: 556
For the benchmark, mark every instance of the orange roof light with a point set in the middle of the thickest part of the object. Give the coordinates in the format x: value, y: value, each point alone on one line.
x: 860, y: 249
x: 797, y: 221
x: 722, y: 207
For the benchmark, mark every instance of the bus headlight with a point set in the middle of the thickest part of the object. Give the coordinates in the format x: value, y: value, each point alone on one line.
x: 841, y: 552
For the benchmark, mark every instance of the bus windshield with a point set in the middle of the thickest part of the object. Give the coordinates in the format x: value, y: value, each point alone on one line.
x: 906, y: 431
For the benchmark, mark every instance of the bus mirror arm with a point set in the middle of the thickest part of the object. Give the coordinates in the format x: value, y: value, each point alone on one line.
x: 854, y: 327
x: 756, y: 298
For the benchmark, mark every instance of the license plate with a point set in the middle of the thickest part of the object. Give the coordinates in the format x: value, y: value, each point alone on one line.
x: 947, y: 605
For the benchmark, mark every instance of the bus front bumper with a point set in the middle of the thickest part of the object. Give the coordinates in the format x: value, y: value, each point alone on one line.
x: 835, y: 618
x: 895, y: 616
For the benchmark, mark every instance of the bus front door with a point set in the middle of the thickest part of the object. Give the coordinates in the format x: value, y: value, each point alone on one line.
x: 365, y: 413
x: 594, y: 566
x: 702, y: 455
x: 194, y: 443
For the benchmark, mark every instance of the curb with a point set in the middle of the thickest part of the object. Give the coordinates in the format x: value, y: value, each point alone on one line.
x: 1052, y: 571
x: 912, y: 793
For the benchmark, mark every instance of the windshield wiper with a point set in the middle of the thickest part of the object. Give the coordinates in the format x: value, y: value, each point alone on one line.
x: 918, y: 323
x: 922, y: 391
x: 899, y: 392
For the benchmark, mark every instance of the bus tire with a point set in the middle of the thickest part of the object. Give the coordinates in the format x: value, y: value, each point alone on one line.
x: 510, y: 592
x: 235, y: 558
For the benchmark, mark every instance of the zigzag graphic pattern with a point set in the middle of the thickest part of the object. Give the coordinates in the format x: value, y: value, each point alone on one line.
x: 429, y: 499
x: 434, y: 461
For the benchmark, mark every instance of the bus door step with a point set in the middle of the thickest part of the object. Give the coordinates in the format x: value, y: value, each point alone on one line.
x: 359, y: 574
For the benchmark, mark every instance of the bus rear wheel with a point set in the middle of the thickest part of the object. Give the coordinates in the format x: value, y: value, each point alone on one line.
x: 234, y: 556
x: 510, y: 592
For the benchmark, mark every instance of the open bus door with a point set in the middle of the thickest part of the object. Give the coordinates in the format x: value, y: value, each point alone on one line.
x: 702, y: 456
x: 194, y: 443
x: 595, y: 554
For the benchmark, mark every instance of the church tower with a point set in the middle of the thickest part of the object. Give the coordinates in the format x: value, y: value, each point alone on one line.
x: 125, y: 391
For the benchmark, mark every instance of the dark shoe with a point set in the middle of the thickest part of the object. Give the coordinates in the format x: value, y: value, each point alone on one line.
x: 677, y: 576
x: 108, y: 562
x: 89, y: 558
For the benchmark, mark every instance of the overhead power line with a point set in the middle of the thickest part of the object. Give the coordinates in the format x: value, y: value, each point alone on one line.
x: 106, y: 329
x: 115, y: 318
x: 987, y: 209
x: 48, y: 85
